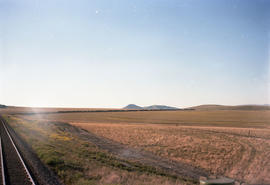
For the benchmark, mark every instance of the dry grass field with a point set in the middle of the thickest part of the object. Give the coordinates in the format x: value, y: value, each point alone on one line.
x: 224, y: 118
x: 239, y: 153
x: 233, y: 143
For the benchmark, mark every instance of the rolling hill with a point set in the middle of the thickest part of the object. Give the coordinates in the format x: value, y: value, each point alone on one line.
x: 230, y: 107
x: 152, y: 107
x: 3, y: 106
x: 132, y: 106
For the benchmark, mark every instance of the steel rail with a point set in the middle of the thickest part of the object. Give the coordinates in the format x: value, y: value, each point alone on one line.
x: 19, y: 155
x: 2, y: 164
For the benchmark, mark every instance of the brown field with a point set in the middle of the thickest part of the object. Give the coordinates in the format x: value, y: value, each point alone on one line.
x: 234, y: 118
x: 16, y: 110
x: 233, y: 143
x: 241, y: 153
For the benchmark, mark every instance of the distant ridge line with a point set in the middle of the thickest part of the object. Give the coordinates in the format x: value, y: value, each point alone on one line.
x: 93, y: 111
x: 151, y: 107
x: 230, y: 107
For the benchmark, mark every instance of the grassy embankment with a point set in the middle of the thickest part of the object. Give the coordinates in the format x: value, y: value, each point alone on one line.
x: 77, y: 161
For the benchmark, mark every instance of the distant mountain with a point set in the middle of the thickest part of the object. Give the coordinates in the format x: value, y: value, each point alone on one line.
x: 229, y: 107
x: 3, y: 106
x: 152, y: 107
x: 132, y: 106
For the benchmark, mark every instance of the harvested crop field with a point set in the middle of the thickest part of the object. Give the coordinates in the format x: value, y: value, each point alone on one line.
x: 242, y: 154
x: 224, y: 118
x: 232, y: 143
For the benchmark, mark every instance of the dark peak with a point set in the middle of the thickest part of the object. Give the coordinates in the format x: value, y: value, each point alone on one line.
x: 132, y: 106
x: 3, y: 106
x: 152, y: 107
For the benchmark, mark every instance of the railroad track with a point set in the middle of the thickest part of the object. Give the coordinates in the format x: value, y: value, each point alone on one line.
x: 13, y: 168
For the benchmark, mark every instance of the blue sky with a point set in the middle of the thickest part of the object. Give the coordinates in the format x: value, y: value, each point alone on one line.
x: 111, y: 53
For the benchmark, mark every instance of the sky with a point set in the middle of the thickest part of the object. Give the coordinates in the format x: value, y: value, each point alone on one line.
x: 59, y: 53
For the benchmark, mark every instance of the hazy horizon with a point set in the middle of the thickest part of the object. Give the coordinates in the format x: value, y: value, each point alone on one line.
x: 104, y: 54
x: 120, y: 107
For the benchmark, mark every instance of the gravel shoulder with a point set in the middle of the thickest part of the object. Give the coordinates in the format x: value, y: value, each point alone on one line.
x: 42, y: 174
